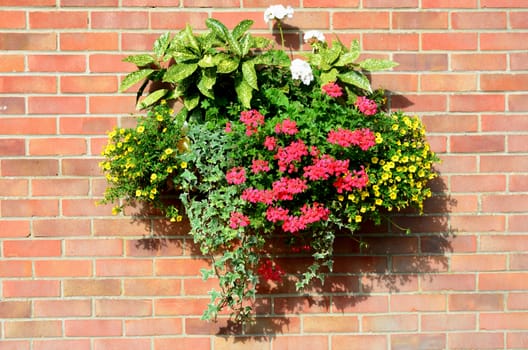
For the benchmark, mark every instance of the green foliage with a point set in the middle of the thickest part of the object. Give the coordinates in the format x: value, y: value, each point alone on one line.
x: 257, y: 154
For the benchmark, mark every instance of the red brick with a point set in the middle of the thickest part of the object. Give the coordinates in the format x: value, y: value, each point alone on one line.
x: 57, y: 146
x: 417, y: 303
x: 421, y: 62
x: 123, y: 267
x: 330, y: 3
x: 118, y: 344
x: 507, y: 321
x: 408, y: 264
x: 518, y: 183
x: 56, y: 63
x: 13, y: 19
x: 508, y: 281
x: 92, y: 328
x: 93, y: 247
x: 517, y: 301
x: 358, y: 20
x: 153, y: 327
x: 62, y: 344
x: 91, y: 287
x: 14, y: 228
x: 503, y: 82
x: 418, y: 341
x: 505, y: 203
x: 478, y: 61
x: 58, y: 20
x: 504, y: 122
x: 476, y: 302
x: 32, y: 248
x: 109, y: 63
x: 180, y: 267
x: 15, y: 309
x: 61, y: 227
x: 56, y: 105
x: 86, y: 125
x: 391, y: 82
x: 181, y: 306
x: 392, y: 42
x: 123, y: 307
x: 485, y: 223
x: 421, y: 103
x: 88, y: 84
x: 504, y: 3
x: 33, y: 329
x: 12, y: 147
x: 448, y: 322
x: 443, y: 282
x: 450, y: 41
x: 390, y: 323
x: 502, y: 243
x: 179, y: 19
x: 95, y: 41
x: 475, y: 340
x: 137, y: 42
x: 183, y: 343
x: 80, y: 167
x: 15, y: 268
x: 63, y: 268
x: 478, y: 183
x: 390, y: 4
x: 359, y: 342
x: 150, y: 3
x: 62, y: 308
x: 478, y: 263
x: 16, y: 345
x: 302, y: 342
x: 478, y: 20
x: 420, y: 20
x: 119, y: 20
x: 28, y: 84
x: 13, y: 187
x: 152, y: 287
x: 477, y: 143
x: 517, y: 103
x: 118, y: 227
x: 330, y: 324
x: 84, y: 207
x: 60, y: 187
x: 448, y: 82
x: 519, y: 262
x: 476, y: 103
x: 503, y: 163
x: 12, y: 63
x: 26, y: 125
x: 29, y: 207
x: 31, y: 289
x: 503, y: 41
x: 112, y: 104
x: 517, y: 340
x: 28, y: 41
x: 211, y: 3
x: 517, y: 144
x: 450, y: 123
x: 90, y: 3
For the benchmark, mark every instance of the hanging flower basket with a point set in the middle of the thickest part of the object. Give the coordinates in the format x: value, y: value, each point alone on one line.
x: 258, y: 146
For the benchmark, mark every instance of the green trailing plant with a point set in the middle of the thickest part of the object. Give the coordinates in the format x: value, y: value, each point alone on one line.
x: 264, y: 148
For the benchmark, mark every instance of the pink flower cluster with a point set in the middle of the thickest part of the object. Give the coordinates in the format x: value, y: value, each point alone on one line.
x: 238, y: 220
x: 332, y: 89
x: 287, y: 156
x: 270, y: 271
x: 364, y: 138
x: 309, y: 215
x: 236, y: 176
x: 358, y: 179
x: 252, y: 119
x: 325, y: 167
x: 270, y: 143
x: 282, y: 190
x: 287, y: 126
x: 366, y: 106
x: 259, y: 165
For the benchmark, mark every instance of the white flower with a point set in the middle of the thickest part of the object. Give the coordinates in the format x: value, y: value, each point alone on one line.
x: 301, y: 70
x: 277, y: 12
x: 313, y: 34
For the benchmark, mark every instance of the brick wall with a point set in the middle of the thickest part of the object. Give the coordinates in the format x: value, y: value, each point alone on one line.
x: 72, y: 276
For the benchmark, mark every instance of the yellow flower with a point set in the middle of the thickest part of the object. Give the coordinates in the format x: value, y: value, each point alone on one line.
x: 374, y: 160
x: 379, y: 138
x: 138, y: 193
x: 115, y: 210
x: 392, y: 195
x: 183, y: 165
x: 179, y: 218
x: 395, y: 127
x: 153, y: 177
x: 379, y: 201
x: 159, y: 117
x: 340, y: 198
x: 169, y: 170
x: 169, y: 151
x: 140, y: 129
x: 358, y: 218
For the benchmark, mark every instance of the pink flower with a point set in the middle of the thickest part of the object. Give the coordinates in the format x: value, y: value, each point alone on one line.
x: 270, y: 143
x: 253, y: 195
x: 350, y: 181
x: 364, y: 138
x: 286, y: 188
x: 325, y: 167
x: 316, y: 212
x: 228, y: 127
x: 259, y: 165
x: 293, y: 224
x: 275, y: 214
x: 238, y: 220
x: 252, y: 119
x: 286, y: 156
x: 332, y: 89
x: 286, y: 127
x: 366, y: 106
x: 236, y: 176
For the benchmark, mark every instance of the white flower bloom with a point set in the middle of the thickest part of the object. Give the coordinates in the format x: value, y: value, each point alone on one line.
x: 301, y: 70
x: 313, y: 34
x: 277, y: 12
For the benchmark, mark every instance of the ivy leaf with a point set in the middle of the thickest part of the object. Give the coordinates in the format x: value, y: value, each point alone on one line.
x: 218, y: 28
x: 250, y: 75
x: 356, y: 79
x: 152, y: 98
x: 244, y: 92
x: 161, y: 44
x: 373, y: 64
x: 178, y: 72
x: 134, y: 77
x: 242, y: 28
x: 140, y: 60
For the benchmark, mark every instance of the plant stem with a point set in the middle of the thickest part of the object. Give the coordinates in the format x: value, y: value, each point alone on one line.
x: 279, y: 25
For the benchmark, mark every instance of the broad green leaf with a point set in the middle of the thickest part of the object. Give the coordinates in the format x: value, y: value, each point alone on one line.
x: 190, y: 40
x: 260, y: 42
x: 225, y: 63
x: 242, y: 28
x: 346, y: 59
x: 207, y: 81
x: 250, y: 75
x: 245, y: 44
x: 355, y: 49
x: 356, y: 79
x: 207, y: 61
x: 134, y: 78
x: 330, y: 56
x: 329, y: 76
x: 373, y: 64
x: 234, y: 45
x: 217, y: 28
x: 152, y: 98
x: 190, y: 102
x: 140, y: 60
x: 178, y: 72
x: 182, y: 56
x: 161, y: 44
x: 244, y: 92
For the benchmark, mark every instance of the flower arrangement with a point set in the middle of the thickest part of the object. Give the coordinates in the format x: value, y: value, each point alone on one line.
x: 258, y: 146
